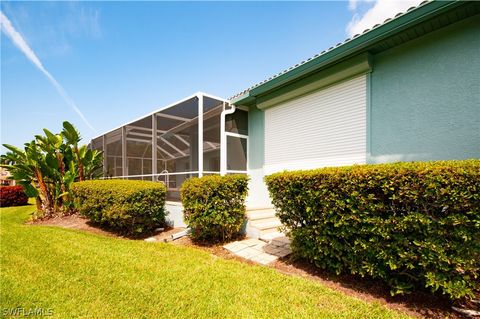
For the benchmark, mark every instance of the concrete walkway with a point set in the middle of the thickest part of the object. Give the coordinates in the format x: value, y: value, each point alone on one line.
x: 259, y: 251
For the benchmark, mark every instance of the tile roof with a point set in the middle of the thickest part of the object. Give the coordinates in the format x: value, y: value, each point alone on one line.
x: 329, y: 49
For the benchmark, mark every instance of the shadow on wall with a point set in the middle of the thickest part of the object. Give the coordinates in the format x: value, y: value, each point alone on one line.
x: 391, y: 158
x: 412, y: 157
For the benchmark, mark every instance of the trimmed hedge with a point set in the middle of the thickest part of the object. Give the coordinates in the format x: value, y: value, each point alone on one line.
x: 12, y: 196
x: 214, y: 206
x: 410, y: 224
x: 129, y: 206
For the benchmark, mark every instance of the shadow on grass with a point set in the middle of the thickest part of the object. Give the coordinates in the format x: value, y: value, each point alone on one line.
x: 207, y: 243
x: 123, y: 234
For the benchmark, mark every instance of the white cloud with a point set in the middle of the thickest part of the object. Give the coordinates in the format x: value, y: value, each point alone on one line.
x: 376, y: 14
x: 21, y: 44
x: 54, y: 27
x: 352, y: 4
x: 80, y: 20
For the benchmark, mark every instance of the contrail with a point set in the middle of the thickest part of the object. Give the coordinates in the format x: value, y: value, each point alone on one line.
x: 20, y: 42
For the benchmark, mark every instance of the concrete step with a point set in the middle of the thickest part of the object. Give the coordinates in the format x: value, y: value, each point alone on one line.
x: 267, y: 223
x: 260, y: 214
x: 251, y: 209
x: 262, y: 221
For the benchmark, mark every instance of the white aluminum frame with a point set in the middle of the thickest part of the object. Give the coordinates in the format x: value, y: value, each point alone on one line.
x: 200, y: 135
x: 155, y: 133
x: 164, y: 108
x: 154, y: 146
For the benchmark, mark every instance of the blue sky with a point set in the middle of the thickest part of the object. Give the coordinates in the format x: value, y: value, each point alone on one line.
x: 117, y: 61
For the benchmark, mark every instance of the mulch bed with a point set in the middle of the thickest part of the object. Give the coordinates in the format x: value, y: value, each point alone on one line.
x: 74, y: 222
x: 79, y: 222
x: 418, y: 303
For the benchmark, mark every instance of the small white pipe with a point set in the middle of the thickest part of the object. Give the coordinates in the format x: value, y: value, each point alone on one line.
x: 223, y: 139
x: 180, y: 234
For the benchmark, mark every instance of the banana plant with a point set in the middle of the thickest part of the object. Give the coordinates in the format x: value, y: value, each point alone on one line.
x: 92, y: 163
x: 49, y: 165
x: 72, y: 136
x: 54, y: 148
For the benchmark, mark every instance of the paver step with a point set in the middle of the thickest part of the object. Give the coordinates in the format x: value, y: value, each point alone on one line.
x: 266, y: 223
x: 259, y: 251
x: 271, y: 236
x: 260, y: 214
x: 281, y: 241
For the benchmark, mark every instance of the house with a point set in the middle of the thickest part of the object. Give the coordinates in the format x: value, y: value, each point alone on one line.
x: 5, y: 178
x: 406, y: 90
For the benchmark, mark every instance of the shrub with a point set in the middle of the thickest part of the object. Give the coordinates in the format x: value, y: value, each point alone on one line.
x: 410, y: 224
x: 132, y: 207
x: 12, y: 196
x: 214, y: 206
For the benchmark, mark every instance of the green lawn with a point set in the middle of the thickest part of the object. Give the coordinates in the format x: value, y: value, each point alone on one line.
x: 79, y: 274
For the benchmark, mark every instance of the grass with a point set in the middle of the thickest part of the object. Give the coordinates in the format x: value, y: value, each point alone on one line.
x: 83, y: 275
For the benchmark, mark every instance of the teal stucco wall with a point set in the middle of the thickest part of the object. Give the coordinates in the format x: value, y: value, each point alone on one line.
x: 425, y: 97
x: 257, y: 190
x: 256, y: 129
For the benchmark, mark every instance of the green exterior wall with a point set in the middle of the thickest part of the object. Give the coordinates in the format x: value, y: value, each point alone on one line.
x: 256, y: 129
x: 423, y: 103
x: 424, y: 97
x: 257, y: 190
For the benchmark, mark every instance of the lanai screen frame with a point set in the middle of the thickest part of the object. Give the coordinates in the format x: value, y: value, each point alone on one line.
x: 231, y: 133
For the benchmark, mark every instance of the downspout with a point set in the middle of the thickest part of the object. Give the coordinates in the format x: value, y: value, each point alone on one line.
x: 223, y: 139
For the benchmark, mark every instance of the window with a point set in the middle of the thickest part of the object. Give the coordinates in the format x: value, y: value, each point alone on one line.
x: 236, y: 153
